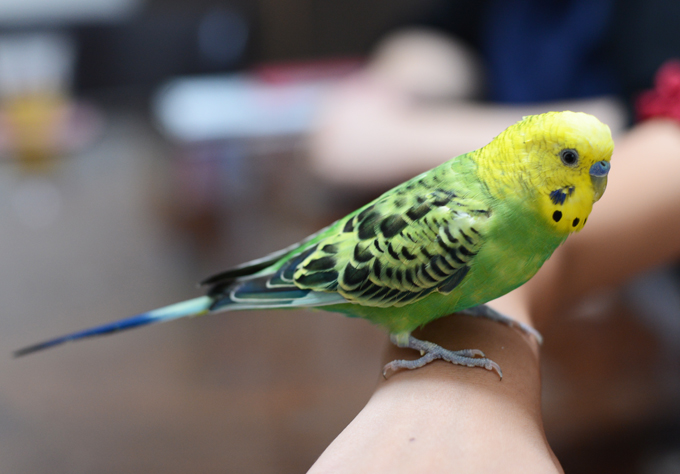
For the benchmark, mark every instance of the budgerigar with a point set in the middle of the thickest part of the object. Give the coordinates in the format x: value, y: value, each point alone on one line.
x: 448, y: 240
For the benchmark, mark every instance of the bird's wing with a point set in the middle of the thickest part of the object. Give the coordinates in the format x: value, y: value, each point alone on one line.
x: 398, y: 249
x: 254, y: 266
x: 420, y: 237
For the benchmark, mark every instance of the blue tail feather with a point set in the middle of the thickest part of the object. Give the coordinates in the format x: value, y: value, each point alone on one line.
x: 186, y: 308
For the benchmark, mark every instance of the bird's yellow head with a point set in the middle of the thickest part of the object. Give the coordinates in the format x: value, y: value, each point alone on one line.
x: 558, y: 161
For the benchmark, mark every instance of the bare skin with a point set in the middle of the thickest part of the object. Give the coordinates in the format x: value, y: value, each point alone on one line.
x: 447, y: 418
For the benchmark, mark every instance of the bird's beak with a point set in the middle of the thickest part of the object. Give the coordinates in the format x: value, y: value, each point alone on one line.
x: 598, y: 176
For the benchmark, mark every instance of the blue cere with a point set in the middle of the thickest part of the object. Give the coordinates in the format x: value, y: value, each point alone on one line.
x: 600, y: 169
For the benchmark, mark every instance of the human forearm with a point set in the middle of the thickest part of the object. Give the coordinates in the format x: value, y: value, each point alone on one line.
x: 446, y: 418
x: 374, y: 138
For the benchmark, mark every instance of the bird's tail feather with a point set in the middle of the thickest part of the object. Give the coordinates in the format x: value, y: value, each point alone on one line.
x: 193, y: 307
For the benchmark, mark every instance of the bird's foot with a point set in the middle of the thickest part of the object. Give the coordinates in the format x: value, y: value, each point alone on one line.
x: 431, y: 351
x: 486, y: 312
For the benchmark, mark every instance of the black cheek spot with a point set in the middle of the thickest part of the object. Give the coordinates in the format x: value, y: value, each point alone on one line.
x: 557, y: 215
x: 585, y: 221
x: 575, y: 222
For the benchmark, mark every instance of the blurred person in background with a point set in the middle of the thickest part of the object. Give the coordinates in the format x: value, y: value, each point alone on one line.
x: 444, y: 85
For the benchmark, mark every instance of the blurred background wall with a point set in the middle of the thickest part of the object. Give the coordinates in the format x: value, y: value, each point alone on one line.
x: 105, y: 212
x: 146, y: 144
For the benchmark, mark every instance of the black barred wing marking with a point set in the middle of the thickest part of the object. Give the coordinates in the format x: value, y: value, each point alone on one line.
x: 416, y: 239
x: 399, y: 249
x: 249, y: 268
x: 277, y: 289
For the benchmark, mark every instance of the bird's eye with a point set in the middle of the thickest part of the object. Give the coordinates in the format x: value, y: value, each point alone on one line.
x: 569, y: 157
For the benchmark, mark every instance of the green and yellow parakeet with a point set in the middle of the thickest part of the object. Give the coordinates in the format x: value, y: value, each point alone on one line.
x: 448, y: 240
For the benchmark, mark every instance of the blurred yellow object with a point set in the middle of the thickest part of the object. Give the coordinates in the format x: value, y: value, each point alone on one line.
x: 35, y: 123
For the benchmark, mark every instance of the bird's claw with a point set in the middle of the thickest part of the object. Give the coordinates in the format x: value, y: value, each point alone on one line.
x: 431, y: 352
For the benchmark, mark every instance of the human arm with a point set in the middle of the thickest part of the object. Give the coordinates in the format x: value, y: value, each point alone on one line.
x: 411, y: 109
x: 447, y: 418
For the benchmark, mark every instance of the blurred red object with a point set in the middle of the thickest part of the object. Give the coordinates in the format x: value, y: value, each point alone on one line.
x: 664, y: 99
